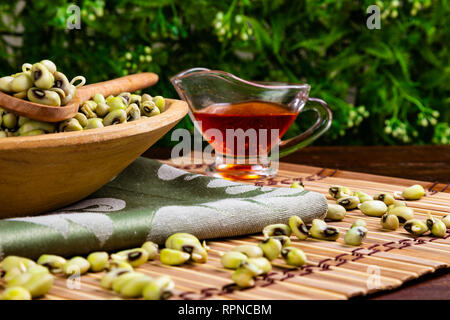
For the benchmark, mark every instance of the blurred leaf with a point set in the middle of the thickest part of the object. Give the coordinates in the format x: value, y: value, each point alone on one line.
x: 380, y: 50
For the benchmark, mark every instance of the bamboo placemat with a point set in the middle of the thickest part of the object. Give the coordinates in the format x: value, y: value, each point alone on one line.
x: 384, y: 261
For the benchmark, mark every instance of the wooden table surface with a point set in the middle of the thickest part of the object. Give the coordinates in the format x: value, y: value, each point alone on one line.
x: 427, y: 163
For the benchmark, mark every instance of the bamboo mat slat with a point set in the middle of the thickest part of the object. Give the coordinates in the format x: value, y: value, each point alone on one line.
x: 385, y: 260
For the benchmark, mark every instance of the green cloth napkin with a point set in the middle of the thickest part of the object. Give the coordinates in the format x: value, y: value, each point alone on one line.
x: 151, y: 201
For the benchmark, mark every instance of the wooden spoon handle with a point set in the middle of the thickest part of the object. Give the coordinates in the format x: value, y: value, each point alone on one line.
x: 124, y: 84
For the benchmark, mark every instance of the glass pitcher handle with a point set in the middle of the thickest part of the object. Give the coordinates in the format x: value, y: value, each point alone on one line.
x: 323, y: 122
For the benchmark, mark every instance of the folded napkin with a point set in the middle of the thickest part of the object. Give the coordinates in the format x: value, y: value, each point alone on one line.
x: 151, y: 201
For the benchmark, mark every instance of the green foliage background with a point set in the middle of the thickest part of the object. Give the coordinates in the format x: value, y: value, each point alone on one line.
x: 387, y: 86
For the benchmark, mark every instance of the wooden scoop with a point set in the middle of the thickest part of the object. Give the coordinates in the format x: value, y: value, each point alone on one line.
x: 45, y: 113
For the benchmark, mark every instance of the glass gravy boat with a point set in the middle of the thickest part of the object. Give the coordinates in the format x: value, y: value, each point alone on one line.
x: 244, y: 121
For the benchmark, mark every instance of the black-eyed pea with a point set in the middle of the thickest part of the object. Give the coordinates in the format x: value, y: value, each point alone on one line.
x: 135, y: 257
x: 251, y: 268
x: 320, y: 230
x: 50, y: 65
x: 88, y: 108
x: 32, y: 269
x: 338, y: 192
x: 416, y: 227
x: 99, y: 261
x: 9, y: 120
x: 151, y: 248
x: 173, y: 257
x: 415, y: 192
x: 98, y: 98
x: 116, y: 103
x: 38, y: 269
x: 250, y: 251
x: 5, y: 84
x: 403, y: 213
x: 284, y: 240
x: 121, y: 280
x: 119, y: 264
x: 135, y: 98
x: 61, y: 82
x: 373, y: 208
x: 133, y: 112
x: 446, y: 220
x: 389, y: 221
x: 109, y: 98
x: 243, y: 278
x: 12, y: 262
x: 33, y: 133
x: 297, y: 185
x: 398, y: 203
x: 436, y: 226
x: 32, y: 125
x: 387, y: 198
x: 271, y: 248
x: 135, y: 287
x: 335, y: 212
x: 359, y: 223
x: 189, y: 244
x: 115, y: 117
x: 233, y: 259
x: 60, y: 92
x: 355, y: 236
x: 278, y: 229
x: 199, y: 254
x: 16, y: 293
x: 21, y: 94
x: 70, y: 125
x: 362, y: 196
x: 348, y: 203
x: 21, y: 121
x: 126, y: 97
x: 159, y: 288
x: 146, y: 97
x: 108, y: 279
x: 21, y: 82
x: 298, y: 228
x: 149, y: 109
x: 261, y: 263
x: 38, y: 284
x: 160, y: 102
x: 82, y: 119
x: 102, y: 109
x: 41, y: 76
x: 293, y: 256
x: 176, y: 239
x: 94, y: 123
x: 12, y: 273
x: 76, y: 266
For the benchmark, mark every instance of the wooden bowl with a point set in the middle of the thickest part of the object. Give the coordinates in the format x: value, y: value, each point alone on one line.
x: 47, y: 172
